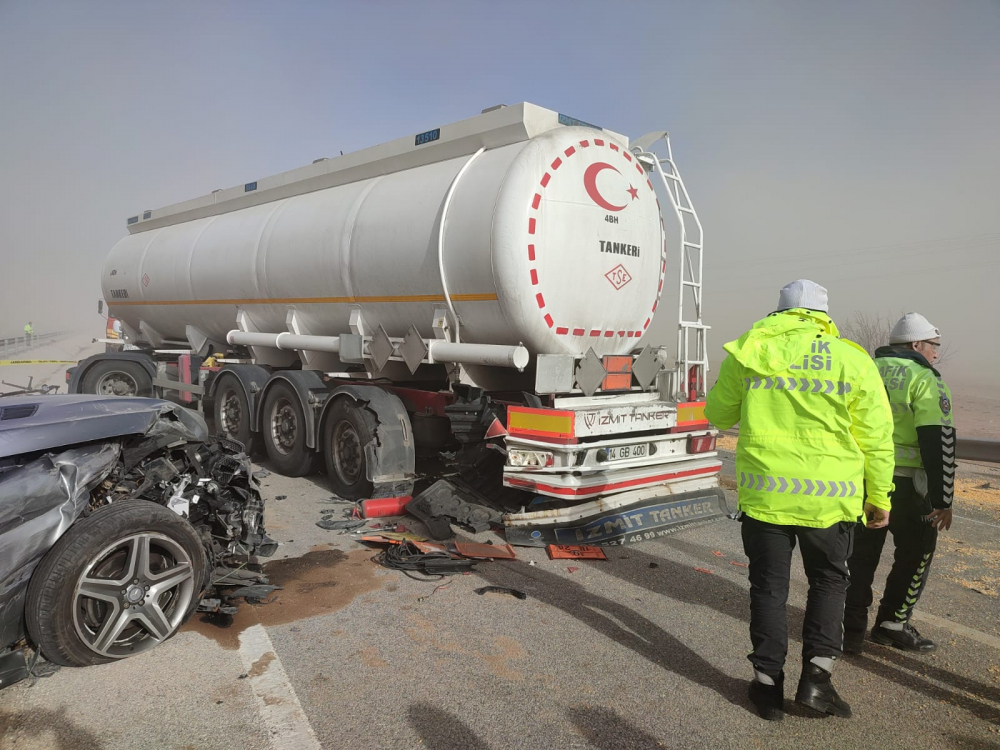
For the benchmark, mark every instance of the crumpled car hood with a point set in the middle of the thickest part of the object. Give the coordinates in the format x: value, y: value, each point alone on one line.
x: 43, y: 423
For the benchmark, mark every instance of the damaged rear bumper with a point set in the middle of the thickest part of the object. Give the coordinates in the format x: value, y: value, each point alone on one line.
x: 625, y: 518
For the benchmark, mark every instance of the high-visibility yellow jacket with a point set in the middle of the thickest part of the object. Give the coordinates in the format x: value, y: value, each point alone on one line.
x: 924, y: 434
x: 815, y: 422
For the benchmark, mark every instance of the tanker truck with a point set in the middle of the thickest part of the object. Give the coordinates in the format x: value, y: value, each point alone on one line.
x: 472, y: 302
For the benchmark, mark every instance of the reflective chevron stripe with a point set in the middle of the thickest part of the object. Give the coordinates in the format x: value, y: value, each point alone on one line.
x: 903, y: 451
x: 794, y: 486
x: 802, y: 385
x: 913, y: 592
x: 948, y: 461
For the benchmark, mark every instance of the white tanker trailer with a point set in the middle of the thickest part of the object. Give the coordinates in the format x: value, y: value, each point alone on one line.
x: 474, y: 297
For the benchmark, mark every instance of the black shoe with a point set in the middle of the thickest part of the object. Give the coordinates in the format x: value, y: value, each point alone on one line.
x: 854, y: 642
x: 769, y: 700
x: 816, y: 692
x: 907, y: 639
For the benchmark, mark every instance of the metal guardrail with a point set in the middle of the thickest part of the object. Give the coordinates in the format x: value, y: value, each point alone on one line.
x: 11, y: 346
x: 969, y: 449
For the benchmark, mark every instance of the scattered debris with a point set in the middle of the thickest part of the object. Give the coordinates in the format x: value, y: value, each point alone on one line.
x: 572, y: 570
x: 492, y: 551
x: 654, y: 565
x: 717, y: 553
x: 501, y: 590
x: 575, y: 552
x: 704, y: 570
x: 407, y: 558
x: 436, y: 589
x: 392, y: 537
x: 739, y: 564
x: 442, y: 501
x: 345, y: 524
x: 281, y: 497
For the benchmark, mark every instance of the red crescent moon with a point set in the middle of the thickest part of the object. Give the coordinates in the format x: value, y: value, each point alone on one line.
x: 590, y: 182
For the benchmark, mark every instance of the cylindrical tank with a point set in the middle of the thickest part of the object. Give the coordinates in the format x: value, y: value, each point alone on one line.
x: 555, y: 242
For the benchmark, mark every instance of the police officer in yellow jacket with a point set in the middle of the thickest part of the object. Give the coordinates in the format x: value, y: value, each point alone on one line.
x: 924, y: 438
x: 815, y: 429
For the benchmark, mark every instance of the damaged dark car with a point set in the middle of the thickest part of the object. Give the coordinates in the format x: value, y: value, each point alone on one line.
x: 115, y: 516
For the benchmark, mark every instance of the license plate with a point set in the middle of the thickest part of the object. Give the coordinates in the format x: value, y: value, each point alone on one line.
x: 624, y: 452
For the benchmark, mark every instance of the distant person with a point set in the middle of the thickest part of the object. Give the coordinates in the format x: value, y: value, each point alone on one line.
x: 924, y: 439
x: 28, y: 332
x: 815, y: 426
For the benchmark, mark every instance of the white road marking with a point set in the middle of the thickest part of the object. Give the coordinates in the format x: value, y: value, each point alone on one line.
x: 277, y: 703
x: 973, y: 520
x: 973, y: 635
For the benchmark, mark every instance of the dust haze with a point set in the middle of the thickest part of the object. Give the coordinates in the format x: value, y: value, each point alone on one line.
x: 850, y: 144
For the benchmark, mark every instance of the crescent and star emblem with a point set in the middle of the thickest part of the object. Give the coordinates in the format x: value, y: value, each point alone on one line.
x: 590, y: 183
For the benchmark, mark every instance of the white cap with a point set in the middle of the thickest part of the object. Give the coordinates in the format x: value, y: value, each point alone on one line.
x: 913, y: 327
x: 803, y: 293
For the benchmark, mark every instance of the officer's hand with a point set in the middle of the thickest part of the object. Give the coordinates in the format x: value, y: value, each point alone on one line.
x: 877, y: 518
x: 940, y: 519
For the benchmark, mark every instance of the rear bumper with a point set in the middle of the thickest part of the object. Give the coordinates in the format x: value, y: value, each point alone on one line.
x: 595, y: 484
x: 625, y: 518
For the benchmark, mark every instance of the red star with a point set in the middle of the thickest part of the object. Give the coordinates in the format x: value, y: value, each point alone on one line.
x: 634, y: 192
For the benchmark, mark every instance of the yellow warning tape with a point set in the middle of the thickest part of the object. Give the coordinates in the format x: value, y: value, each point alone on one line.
x: 4, y: 362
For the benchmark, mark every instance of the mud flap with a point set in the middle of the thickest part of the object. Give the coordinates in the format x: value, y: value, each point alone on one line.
x: 651, y: 519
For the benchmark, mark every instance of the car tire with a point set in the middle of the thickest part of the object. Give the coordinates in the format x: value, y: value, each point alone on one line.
x: 232, y: 411
x: 78, y: 594
x: 348, y: 428
x: 117, y: 378
x: 283, y: 426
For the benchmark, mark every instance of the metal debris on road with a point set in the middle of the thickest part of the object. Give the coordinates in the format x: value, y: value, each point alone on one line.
x: 346, y: 524
x: 501, y: 590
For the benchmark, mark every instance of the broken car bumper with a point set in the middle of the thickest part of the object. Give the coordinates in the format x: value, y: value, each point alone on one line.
x: 625, y: 518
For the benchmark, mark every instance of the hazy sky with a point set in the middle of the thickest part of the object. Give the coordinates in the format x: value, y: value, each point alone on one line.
x: 855, y: 143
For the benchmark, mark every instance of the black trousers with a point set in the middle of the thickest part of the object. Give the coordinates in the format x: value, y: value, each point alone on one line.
x: 915, y: 541
x: 824, y: 554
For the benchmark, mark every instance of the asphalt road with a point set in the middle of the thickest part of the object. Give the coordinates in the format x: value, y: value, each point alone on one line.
x: 644, y: 650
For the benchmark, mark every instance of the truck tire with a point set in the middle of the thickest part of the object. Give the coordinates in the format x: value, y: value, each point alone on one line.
x: 283, y: 427
x: 232, y: 411
x: 117, y: 378
x: 349, y: 427
x: 133, y: 553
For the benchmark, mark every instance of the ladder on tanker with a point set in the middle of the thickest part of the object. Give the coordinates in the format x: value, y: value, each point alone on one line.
x: 691, y: 372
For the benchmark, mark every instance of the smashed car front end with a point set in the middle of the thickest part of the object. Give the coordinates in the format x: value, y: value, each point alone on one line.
x: 63, y: 458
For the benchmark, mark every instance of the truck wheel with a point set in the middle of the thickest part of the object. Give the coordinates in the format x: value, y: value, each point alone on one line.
x: 119, y: 582
x: 117, y: 378
x: 232, y: 411
x: 346, y: 432
x: 283, y: 425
